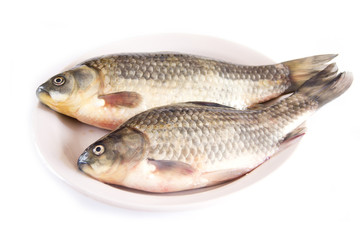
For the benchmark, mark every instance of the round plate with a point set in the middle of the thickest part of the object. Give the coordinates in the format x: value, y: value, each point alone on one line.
x: 60, y: 139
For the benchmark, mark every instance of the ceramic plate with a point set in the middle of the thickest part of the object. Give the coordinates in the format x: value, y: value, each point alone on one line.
x: 60, y: 139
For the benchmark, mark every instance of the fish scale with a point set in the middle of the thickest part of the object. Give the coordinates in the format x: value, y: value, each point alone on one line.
x: 227, y: 132
x: 223, y: 133
x: 179, y: 69
x: 108, y: 90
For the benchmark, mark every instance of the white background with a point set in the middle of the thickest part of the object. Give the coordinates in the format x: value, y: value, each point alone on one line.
x: 313, y: 195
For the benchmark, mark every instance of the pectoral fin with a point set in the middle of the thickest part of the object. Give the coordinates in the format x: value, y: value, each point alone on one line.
x: 125, y: 99
x: 170, y: 176
x: 171, y: 167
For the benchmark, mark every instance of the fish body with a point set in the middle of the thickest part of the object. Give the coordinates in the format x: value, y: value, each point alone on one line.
x: 192, y: 145
x: 108, y: 90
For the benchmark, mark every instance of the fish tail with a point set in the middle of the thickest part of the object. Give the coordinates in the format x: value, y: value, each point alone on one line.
x: 304, y: 69
x: 326, y: 85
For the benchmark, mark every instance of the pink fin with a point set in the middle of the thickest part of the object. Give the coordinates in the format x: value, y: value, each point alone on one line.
x: 294, y: 134
x: 172, y: 167
x: 217, y: 177
x: 126, y: 99
x: 292, y: 138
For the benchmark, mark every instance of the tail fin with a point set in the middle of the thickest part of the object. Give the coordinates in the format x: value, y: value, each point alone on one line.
x: 304, y: 69
x: 326, y: 85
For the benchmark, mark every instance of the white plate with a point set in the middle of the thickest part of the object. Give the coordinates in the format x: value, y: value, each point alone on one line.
x: 60, y: 139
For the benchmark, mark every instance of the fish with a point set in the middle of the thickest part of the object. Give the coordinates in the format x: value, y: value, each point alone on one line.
x: 193, y: 145
x: 108, y: 90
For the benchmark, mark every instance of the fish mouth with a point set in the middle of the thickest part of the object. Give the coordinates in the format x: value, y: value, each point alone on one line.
x: 83, y: 161
x: 42, y: 94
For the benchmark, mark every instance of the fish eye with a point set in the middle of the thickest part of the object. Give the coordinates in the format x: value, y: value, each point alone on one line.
x: 98, y: 150
x: 58, y: 81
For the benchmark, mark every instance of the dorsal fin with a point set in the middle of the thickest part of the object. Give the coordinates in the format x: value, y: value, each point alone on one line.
x: 258, y: 106
x: 209, y: 104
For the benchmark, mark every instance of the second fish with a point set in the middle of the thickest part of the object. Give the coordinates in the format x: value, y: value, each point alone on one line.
x: 108, y: 90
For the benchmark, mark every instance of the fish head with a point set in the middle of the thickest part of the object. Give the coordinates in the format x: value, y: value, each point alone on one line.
x: 112, y: 157
x: 65, y: 91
